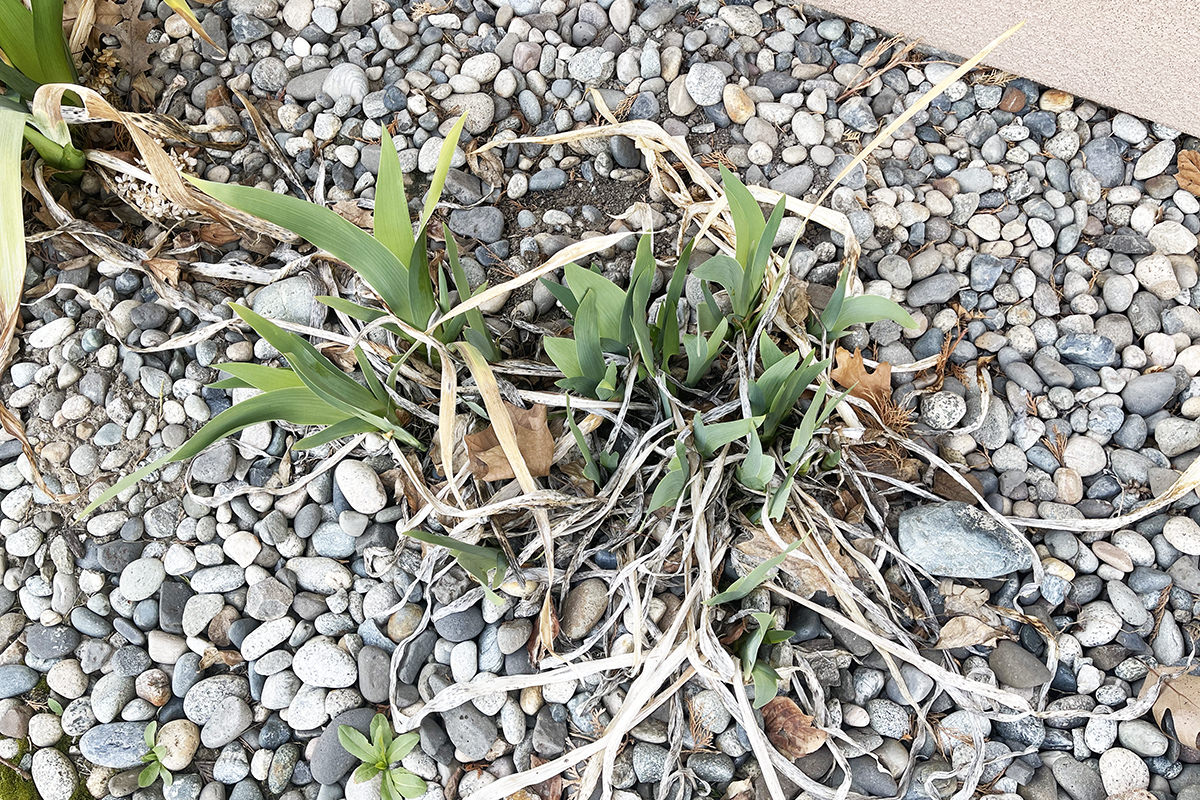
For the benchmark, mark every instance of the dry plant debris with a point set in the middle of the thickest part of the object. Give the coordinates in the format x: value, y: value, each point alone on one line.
x: 790, y: 729
x: 488, y: 459
x: 1178, y: 702
x: 873, y: 386
x: 1188, y: 176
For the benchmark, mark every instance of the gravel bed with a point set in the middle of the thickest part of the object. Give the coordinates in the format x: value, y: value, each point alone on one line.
x: 1024, y: 228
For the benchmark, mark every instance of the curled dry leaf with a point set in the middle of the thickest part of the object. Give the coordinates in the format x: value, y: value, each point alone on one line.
x: 740, y: 790
x: 486, y: 166
x: 1188, y: 176
x: 968, y: 631
x: 790, y: 729
x: 851, y: 373
x: 1180, y: 696
x: 229, y: 658
x: 488, y: 461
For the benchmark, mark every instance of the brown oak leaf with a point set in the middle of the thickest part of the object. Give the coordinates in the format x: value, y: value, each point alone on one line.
x: 790, y: 729
x: 851, y: 373
x: 1180, y: 696
x: 1189, y: 171
x: 534, y: 440
x: 134, y: 50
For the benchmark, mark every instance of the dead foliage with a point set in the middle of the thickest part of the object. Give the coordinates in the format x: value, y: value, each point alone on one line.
x: 790, y: 729
x: 1178, y: 700
x: 1188, y: 176
x: 488, y: 460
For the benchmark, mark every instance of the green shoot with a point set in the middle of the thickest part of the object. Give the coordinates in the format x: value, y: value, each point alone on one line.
x: 753, y: 579
x: 313, y: 391
x: 381, y: 755
x: 487, y: 565
x: 154, y: 768
x: 395, y: 261
x: 841, y: 311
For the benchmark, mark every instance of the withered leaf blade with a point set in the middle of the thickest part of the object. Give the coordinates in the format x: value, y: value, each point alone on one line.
x: 790, y: 729
x: 534, y: 440
x: 1180, y: 696
x: 851, y: 373
x: 966, y: 631
x: 1189, y: 171
x: 961, y: 599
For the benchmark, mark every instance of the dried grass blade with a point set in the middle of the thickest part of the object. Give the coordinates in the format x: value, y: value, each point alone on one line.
x: 181, y: 8
x: 570, y: 253
x: 81, y: 28
x: 272, y: 148
x: 503, y: 425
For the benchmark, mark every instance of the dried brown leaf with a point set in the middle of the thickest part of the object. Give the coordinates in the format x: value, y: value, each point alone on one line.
x: 790, y: 729
x: 851, y: 373
x: 961, y: 599
x: 135, y: 51
x: 486, y: 166
x: 165, y: 269
x: 216, y: 234
x: 1180, y: 696
x: 351, y: 210
x: 1189, y: 171
x: 536, y: 443
x: 967, y: 631
x: 549, y: 789
x: 230, y: 658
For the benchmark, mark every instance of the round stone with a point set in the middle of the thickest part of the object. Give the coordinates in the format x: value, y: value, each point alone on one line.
x: 141, y: 578
x: 360, y: 486
x: 1183, y: 534
x: 705, y: 84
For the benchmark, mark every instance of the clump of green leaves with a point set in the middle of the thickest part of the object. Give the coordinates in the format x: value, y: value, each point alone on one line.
x: 381, y: 756
x: 611, y: 320
x: 311, y: 391
x: 154, y: 768
x: 755, y: 667
x: 394, y: 262
x: 841, y: 311
x: 742, y: 274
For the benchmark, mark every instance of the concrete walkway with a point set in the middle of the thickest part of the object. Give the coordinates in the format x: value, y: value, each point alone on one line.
x: 1133, y: 55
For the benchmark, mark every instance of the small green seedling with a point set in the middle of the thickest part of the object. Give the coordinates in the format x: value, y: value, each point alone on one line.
x: 757, y: 468
x: 784, y: 379
x: 594, y: 466
x: 154, y: 768
x: 381, y: 756
x: 670, y: 487
x: 754, y: 668
x: 743, y: 274
x: 841, y: 311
